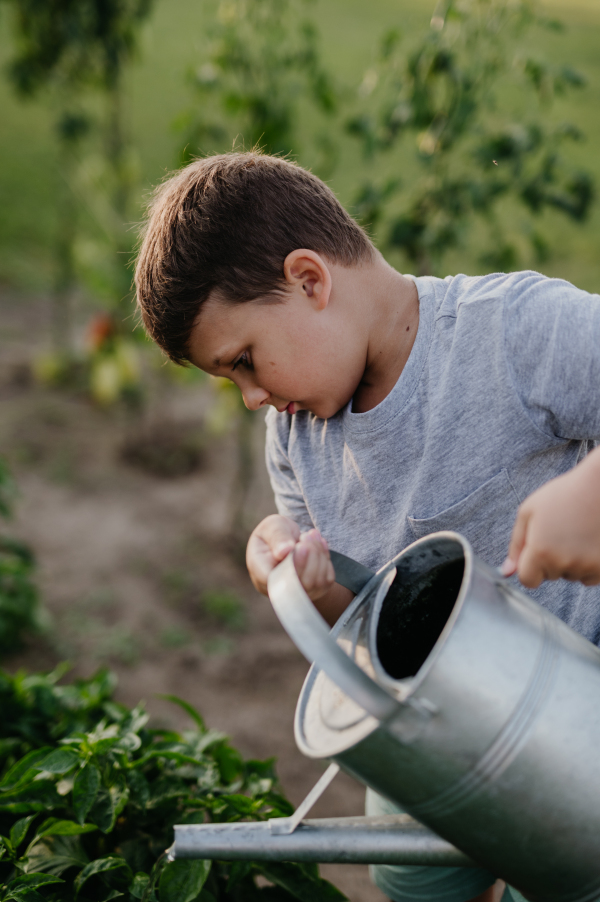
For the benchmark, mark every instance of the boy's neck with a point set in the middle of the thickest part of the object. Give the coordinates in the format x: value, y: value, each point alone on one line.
x: 392, y: 319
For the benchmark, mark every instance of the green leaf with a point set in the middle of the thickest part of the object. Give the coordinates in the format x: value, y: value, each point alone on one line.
x: 18, y: 830
x: 32, y: 881
x: 108, y: 805
x: 85, y: 790
x: 189, y: 709
x: 22, y: 768
x: 178, y: 757
x: 242, y: 804
x: 99, y: 866
x: 59, y: 761
x: 139, y: 884
x: 35, y: 796
x: 182, y: 880
x: 297, y: 880
x: 25, y: 894
x: 54, y: 854
x: 139, y: 788
x: 229, y: 761
x: 56, y: 827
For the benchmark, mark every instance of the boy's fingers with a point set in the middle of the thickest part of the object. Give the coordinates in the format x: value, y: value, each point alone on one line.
x: 313, y: 566
x: 300, y: 559
x: 517, y: 541
x: 280, y: 534
x: 307, y: 556
x: 508, y: 567
x: 529, y: 569
x: 282, y: 550
x: 270, y: 542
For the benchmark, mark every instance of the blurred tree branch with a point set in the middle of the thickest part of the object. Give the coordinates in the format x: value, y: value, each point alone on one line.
x: 446, y: 94
x: 262, y: 68
x: 68, y: 50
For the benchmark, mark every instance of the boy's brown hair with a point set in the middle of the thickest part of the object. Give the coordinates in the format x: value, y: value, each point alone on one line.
x: 225, y: 225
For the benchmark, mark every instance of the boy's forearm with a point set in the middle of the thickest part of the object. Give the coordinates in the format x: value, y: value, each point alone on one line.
x: 333, y: 604
x: 592, y: 463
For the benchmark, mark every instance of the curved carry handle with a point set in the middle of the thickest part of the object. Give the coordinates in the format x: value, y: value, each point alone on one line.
x: 350, y: 573
x: 309, y: 631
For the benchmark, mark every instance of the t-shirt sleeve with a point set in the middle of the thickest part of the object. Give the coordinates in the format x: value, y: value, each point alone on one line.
x: 552, y: 343
x: 288, y: 494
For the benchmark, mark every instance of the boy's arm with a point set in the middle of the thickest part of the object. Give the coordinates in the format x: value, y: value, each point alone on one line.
x: 557, y: 530
x: 276, y: 537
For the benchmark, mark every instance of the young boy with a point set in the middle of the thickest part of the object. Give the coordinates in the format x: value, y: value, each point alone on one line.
x: 398, y: 406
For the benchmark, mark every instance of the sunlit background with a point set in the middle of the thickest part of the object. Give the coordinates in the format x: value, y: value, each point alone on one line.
x: 464, y: 136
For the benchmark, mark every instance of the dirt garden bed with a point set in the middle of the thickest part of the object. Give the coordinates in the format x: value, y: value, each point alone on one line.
x: 137, y: 567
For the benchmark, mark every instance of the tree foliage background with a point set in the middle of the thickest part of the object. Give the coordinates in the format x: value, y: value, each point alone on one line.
x: 452, y: 124
x: 458, y: 140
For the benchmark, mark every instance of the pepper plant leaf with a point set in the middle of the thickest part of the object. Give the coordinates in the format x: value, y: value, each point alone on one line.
x: 301, y: 882
x: 181, y: 881
x: 100, y: 866
x: 85, y: 790
x: 18, y: 831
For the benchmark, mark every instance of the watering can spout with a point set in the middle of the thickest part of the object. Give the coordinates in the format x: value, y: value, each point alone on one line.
x: 393, y: 839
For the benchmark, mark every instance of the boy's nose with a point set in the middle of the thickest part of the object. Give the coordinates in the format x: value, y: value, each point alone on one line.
x: 254, y: 397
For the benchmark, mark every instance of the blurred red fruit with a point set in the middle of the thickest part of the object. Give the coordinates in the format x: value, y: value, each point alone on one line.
x: 100, y: 330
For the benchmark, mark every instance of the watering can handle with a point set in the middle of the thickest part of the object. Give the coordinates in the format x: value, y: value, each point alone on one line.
x: 310, y: 632
x: 350, y: 573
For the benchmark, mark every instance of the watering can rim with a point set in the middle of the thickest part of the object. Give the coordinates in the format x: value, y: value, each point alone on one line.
x: 317, y: 642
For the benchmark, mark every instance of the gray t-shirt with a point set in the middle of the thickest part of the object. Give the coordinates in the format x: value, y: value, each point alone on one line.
x: 501, y: 393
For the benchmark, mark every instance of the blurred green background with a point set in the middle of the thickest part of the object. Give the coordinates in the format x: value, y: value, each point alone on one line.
x: 139, y: 482
x: 173, y: 43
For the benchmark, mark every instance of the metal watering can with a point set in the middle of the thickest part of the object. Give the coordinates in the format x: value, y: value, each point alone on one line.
x: 456, y: 696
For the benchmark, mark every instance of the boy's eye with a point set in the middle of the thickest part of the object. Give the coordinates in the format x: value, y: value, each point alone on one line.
x: 243, y: 360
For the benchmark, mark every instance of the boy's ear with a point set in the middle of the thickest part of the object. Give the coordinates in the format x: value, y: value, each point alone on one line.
x: 307, y: 272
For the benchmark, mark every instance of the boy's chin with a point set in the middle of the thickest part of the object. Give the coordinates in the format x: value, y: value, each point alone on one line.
x: 324, y: 411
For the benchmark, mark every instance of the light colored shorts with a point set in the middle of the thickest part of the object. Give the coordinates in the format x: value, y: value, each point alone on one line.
x: 420, y: 883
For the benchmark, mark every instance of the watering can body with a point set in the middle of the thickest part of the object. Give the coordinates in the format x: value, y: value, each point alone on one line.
x: 459, y: 698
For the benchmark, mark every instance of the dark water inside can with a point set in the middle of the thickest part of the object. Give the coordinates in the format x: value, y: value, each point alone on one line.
x: 414, y: 614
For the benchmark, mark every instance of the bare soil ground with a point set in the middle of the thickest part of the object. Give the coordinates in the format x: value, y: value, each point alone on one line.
x: 140, y: 573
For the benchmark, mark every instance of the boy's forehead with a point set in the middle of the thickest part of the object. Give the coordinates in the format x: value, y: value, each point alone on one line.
x: 223, y: 328
x: 216, y: 334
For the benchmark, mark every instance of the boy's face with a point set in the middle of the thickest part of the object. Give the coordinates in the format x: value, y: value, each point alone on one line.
x: 304, y: 353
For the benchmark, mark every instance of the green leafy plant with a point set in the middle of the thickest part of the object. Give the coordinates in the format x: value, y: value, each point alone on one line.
x: 70, y: 52
x: 452, y: 96
x: 89, y: 795
x: 262, y: 67
x: 19, y: 610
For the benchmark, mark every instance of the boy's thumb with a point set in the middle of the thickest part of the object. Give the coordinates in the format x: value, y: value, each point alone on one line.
x: 282, y: 549
x: 517, y: 542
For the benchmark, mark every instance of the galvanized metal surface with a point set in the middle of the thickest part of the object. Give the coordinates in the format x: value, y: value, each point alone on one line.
x: 493, y: 744
x: 396, y: 839
x: 281, y: 825
x: 309, y: 631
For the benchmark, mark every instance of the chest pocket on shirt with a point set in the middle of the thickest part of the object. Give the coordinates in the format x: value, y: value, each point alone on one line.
x: 485, y: 517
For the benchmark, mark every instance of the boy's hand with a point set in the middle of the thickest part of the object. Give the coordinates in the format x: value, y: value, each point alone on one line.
x: 273, y: 539
x: 557, y: 530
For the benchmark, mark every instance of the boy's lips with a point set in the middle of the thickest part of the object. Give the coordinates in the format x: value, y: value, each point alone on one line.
x: 289, y: 408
